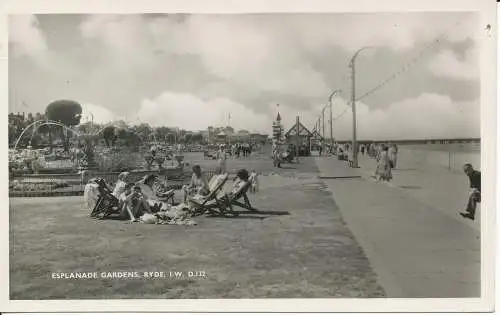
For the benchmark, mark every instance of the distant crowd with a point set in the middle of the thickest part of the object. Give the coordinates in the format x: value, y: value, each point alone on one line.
x: 385, y: 154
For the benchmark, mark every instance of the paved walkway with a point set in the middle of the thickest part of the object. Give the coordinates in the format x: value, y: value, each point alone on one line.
x: 412, y: 236
x: 432, y: 185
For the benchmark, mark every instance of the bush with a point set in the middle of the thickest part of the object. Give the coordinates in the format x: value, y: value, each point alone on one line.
x: 117, y: 161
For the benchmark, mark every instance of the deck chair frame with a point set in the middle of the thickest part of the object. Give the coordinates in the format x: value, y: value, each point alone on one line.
x: 228, y: 202
x: 201, y: 208
x: 106, y: 202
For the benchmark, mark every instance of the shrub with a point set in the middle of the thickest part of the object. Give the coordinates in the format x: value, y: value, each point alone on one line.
x: 117, y: 161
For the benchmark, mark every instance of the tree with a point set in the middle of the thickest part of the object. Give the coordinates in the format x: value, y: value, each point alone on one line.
x: 197, y: 137
x: 84, y: 128
x: 144, y: 131
x: 109, y: 135
x: 187, y: 137
x: 127, y: 137
x: 162, y: 133
x: 66, y: 112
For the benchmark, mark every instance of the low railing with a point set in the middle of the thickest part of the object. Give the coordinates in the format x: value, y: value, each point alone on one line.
x: 451, y: 160
x: 39, y: 185
x: 50, y: 185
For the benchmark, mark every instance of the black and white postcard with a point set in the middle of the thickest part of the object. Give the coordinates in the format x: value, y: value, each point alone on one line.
x: 249, y: 156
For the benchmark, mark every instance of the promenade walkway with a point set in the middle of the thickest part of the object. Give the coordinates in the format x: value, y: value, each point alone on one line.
x: 410, y: 230
x: 434, y: 186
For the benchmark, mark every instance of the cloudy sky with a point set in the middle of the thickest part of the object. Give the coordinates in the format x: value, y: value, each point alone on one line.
x: 193, y: 71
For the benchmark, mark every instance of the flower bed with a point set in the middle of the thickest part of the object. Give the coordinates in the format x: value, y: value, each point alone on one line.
x: 112, y: 160
x: 44, y: 185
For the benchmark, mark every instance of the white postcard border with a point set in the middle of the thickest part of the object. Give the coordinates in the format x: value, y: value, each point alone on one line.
x: 487, y: 9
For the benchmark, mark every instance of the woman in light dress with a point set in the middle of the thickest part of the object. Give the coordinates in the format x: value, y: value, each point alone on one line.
x: 120, y: 184
x: 222, y: 157
x: 393, y: 155
x: 383, y: 171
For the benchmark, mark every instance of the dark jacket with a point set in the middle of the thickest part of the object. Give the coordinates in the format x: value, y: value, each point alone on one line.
x: 475, y: 180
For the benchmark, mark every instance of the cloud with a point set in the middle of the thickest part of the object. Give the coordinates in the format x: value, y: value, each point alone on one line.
x: 447, y: 64
x: 101, y: 115
x: 256, y: 51
x: 191, y: 113
x: 396, y: 31
x: 191, y: 71
x: 26, y: 37
x: 125, y: 40
x: 426, y: 116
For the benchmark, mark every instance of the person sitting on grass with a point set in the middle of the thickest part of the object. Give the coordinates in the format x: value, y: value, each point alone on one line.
x: 149, y: 185
x: 198, y: 184
x: 154, y: 192
x: 125, y: 202
x: 120, y: 184
x: 133, y: 203
x: 475, y: 192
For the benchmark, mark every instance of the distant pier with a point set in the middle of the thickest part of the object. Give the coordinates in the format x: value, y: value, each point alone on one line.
x: 418, y: 141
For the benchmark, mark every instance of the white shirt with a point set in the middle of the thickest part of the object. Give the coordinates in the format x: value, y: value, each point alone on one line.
x: 119, y: 188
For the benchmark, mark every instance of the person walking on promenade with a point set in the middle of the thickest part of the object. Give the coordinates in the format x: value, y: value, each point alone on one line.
x: 475, y: 193
x: 383, y: 171
x: 380, y: 149
x: 222, y: 157
x: 350, y: 156
x: 393, y: 155
x: 276, y: 156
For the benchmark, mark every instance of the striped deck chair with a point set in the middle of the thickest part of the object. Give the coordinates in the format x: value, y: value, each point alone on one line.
x: 203, y: 204
x: 232, y: 199
x: 106, y: 204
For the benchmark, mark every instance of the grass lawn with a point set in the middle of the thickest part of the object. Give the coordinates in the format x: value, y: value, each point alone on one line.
x: 308, y: 253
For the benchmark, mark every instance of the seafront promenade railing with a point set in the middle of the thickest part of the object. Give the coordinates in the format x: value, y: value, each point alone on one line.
x: 451, y: 160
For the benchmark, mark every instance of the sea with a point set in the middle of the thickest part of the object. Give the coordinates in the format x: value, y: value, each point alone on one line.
x: 450, y: 156
x: 453, y: 147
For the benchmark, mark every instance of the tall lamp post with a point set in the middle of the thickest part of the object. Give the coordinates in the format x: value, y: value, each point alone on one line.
x: 323, y: 128
x: 353, y: 102
x: 331, y: 115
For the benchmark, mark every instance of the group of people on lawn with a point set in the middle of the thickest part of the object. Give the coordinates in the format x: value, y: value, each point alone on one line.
x: 138, y: 198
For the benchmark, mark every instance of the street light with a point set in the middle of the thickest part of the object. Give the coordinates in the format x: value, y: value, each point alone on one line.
x: 353, y: 102
x: 323, y: 123
x: 331, y: 114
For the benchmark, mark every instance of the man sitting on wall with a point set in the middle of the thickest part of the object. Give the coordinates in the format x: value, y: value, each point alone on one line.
x: 475, y: 193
